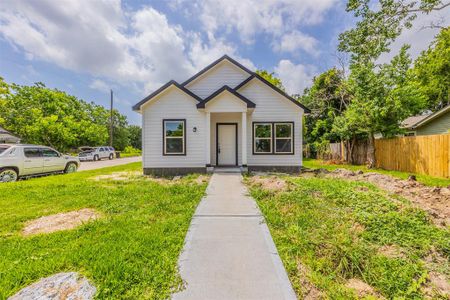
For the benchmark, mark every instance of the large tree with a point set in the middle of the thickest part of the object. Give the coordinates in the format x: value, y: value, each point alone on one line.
x: 431, y: 72
x: 40, y: 115
x: 270, y: 77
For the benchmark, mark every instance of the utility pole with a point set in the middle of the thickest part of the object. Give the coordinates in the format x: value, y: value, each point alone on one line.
x: 111, y: 122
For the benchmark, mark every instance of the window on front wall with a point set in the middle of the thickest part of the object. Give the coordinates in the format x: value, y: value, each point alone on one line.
x: 273, y: 138
x: 262, y: 138
x: 174, y: 132
x: 283, y: 138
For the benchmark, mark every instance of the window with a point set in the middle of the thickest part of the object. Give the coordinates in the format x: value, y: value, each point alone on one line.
x: 49, y: 153
x: 273, y: 138
x: 263, y: 137
x: 410, y: 133
x: 32, y: 152
x: 101, y: 150
x: 283, y: 138
x: 174, y: 136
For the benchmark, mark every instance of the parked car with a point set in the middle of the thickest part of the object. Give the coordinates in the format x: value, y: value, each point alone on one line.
x: 96, y: 153
x: 19, y: 160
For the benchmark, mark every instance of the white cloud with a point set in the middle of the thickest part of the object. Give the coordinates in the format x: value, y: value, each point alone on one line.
x: 295, y: 40
x: 295, y: 78
x: 419, y: 37
x: 102, y: 39
x: 100, y: 85
x: 250, y: 17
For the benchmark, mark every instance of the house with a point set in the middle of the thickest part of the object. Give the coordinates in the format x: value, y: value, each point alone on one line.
x: 225, y: 115
x: 7, y: 137
x: 434, y: 123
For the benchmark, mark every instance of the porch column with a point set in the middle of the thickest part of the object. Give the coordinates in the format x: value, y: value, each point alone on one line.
x: 208, y: 138
x: 244, y: 138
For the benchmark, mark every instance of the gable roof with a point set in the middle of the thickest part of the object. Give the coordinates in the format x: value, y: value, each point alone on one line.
x: 273, y: 87
x: 420, y: 120
x: 213, y: 64
x: 209, y: 67
x: 137, y: 106
x: 249, y: 103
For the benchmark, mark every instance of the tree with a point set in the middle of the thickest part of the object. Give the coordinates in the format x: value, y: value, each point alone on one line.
x: 135, y: 133
x: 270, y: 77
x: 431, y: 72
x: 40, y: 115
x: 327, y: 98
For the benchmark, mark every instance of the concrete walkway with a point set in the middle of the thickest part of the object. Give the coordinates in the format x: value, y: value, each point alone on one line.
x: 229, y: 253
x: 92, y: 165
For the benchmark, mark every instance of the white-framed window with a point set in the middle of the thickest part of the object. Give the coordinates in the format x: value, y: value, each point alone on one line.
x: 262, y: 138
x: 174, y: 137
x: 284, y: 138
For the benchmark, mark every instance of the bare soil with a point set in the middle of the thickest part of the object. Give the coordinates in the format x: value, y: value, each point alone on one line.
x: 61, y: 221
x: 361, y: 288
x: 391, y: 251
x: 309, y: 291
x: 270, y: 183
x: 119, y: 176
x: 60, y: 286
x: 434, y: 200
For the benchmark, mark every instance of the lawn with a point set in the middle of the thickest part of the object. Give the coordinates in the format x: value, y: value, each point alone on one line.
x: 329, y: 231
x: 425, y: 179
x: 131, y: 252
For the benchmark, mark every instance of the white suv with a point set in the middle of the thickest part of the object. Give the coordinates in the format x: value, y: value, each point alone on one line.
x: 17, y: 160
x: 97, y: 153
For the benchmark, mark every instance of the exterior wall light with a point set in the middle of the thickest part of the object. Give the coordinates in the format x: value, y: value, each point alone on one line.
x: 194, y: 129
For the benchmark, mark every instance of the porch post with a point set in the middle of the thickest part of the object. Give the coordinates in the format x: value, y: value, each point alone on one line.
x: 208, y: 138
x: 244, y: 138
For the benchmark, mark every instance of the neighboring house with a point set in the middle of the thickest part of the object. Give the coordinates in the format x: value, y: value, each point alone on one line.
x: 225, y: 115
x: 7, y: 137
x: 435, y: 123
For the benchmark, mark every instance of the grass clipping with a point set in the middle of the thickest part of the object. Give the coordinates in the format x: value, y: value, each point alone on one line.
x: 61, y: 221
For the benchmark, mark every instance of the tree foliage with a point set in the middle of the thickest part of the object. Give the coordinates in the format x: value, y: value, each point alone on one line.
x: 270, y: 77
x: 40, y: 115
x: 431, y: 72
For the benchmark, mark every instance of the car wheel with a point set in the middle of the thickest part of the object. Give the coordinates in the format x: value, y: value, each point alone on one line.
x: 8, y: 175
x: 111, y: 156
x: 70, y: 168
x: 95, y: 157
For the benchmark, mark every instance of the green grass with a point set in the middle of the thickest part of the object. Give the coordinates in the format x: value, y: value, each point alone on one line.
x: 131, y: 154
x: 424, y: 179
x: 131, y: 252
x: 335, y: 228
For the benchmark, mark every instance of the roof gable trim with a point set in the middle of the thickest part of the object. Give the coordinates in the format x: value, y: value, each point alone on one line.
x: 249, y: 103
x: 138, y: 106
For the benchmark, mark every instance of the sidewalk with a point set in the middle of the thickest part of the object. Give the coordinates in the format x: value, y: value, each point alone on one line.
x: 229, y: 253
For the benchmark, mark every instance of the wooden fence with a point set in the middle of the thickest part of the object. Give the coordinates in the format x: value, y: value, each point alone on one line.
x: 428, y: 154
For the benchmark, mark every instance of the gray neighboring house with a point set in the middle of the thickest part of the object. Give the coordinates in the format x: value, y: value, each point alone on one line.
x: 434, y: 123
x: 7, y: 137
x: 225, y: 115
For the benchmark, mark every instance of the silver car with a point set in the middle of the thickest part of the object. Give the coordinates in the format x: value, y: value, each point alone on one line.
x: 96, y: 153
x: 18, y: 160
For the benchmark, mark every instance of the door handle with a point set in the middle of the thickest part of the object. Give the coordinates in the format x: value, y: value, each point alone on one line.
x: 218, y: 150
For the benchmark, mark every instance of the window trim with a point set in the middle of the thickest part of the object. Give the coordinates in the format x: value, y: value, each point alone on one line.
x: 282, y: 138
x: 164, y: 137
x: 267, y: 138
x: 273, y: 138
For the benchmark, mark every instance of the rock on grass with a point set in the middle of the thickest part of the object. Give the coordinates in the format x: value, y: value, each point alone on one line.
x: 59, y: 286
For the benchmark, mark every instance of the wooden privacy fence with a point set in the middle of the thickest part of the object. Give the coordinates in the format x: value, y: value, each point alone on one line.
x: 428, y: 154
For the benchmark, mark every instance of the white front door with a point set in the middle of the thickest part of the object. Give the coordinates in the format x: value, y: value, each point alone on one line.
x: 226, y: 144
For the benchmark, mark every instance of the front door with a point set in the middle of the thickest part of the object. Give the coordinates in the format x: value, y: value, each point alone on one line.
x: 226, y: 144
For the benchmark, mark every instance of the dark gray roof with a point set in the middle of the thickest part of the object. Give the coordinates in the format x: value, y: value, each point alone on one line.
x: 252, y: 75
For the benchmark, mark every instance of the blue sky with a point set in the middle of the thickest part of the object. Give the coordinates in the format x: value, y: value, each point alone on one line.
x: 86, y: 47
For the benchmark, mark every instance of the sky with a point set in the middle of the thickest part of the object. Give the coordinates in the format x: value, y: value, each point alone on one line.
x: 87, y: 47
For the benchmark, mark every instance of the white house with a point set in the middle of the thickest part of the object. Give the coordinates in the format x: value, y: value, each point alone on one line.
x: 225, y: 115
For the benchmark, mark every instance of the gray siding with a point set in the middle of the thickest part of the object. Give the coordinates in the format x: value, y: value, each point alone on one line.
x: 439, y: 125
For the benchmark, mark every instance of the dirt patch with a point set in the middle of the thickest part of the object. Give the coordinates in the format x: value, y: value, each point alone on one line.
x: 119, y: 176
x: 361, y: 288
x: 201, y: 179
x: 435, y: 201
x: 309, y: 291
x: 437, y: 286
x: 391, y: 251
x: 61, y: 221
x: 271, y: 183
x: 60, y: 286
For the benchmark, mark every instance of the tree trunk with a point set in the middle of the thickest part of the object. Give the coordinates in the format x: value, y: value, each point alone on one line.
x: 371, y: 151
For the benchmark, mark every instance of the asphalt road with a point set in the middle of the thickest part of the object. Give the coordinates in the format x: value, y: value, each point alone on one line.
x: 92, y: 165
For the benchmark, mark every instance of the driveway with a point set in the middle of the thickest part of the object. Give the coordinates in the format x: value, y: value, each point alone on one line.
x: 92, y: 165
x: 228, y: 252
